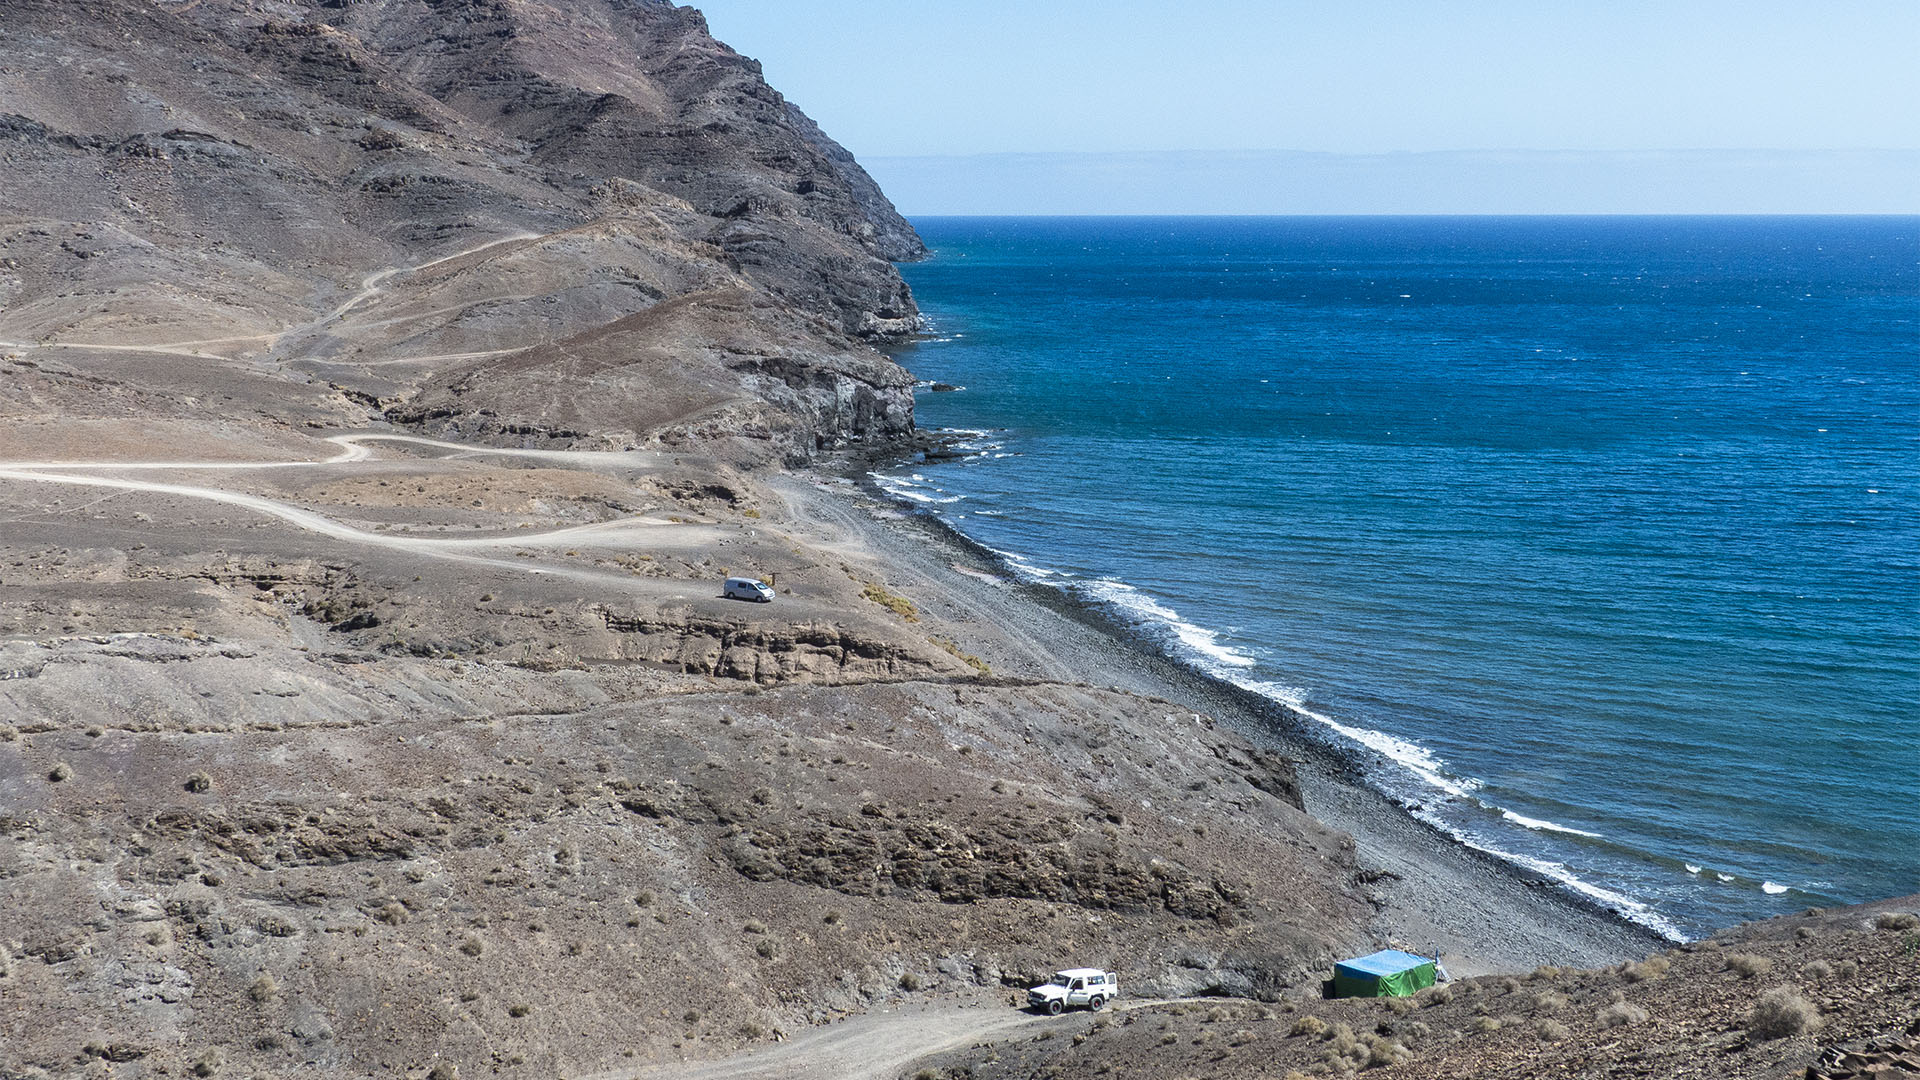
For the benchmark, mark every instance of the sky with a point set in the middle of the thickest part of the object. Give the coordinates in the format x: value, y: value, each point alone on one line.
x: 900, y: 81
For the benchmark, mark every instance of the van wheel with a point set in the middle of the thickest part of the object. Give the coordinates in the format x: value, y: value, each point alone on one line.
x: 1054, y: 1007
x: 1097, y: 1004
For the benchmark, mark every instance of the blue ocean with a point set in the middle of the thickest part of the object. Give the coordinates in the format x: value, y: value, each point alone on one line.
x: 1597, y: 538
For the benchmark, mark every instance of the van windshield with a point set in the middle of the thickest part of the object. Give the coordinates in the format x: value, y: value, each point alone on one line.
x: 1059, y: 980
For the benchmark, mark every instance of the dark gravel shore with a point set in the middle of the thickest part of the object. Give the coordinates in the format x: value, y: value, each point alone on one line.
x: 1481, y: 913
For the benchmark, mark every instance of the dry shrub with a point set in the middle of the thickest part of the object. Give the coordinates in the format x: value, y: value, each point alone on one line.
x: 1545, y: 971
x: 445, y: 1070
x: 1399, y: 1006
x: 1344, y: 1051
x: 1549, y: 1001
x: 1817, y: 970
x: 1620, y: 1014
x: 1646, y: 970
x: 1747, y: 965
x: 1896, y: 920
x: 60, y: 772
x: 263, y: 989
x: 1439, y: 995
x: 1384, y: 1052
x: 1509, y: 986
x: 1551, y: 1030
x: 1484, y: 1024
x: 755, y: 926
x: 1309, y: 1025
x: 1780, y: 1013
x: 1215, y: 1015
x: 909, y: 982
x: 1847, y: 969
x: 391, y: 914
x: 1169, y: 1039
x: 199, y: 783
x: 8, y: 733
x: 473, y: 946
x: 1241, y: 1038
x: 767, y: 950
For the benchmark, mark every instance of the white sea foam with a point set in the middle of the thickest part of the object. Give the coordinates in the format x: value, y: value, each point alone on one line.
x: 1723, y: 877
x: 1144, y: 609
x: 1409, y: 755
x: 1626, y: 905
x: 1771, y: 889
x: 1545, y: 826
x: 910, y: 491
x: 1691, y: 869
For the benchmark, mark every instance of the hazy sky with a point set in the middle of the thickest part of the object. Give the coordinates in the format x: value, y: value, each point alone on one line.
x: 918, y: 77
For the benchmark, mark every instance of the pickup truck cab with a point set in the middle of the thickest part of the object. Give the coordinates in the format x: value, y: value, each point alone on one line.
x: 1075, y: 987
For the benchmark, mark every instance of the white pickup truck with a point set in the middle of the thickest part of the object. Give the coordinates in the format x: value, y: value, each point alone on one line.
x: 1075, y: 987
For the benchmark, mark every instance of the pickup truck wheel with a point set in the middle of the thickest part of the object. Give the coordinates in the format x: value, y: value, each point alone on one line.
x: 1097, y: 1004
x: 1054, y: 1006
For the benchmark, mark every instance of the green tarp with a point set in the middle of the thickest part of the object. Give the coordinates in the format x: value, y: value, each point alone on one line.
x: 1387, y: 973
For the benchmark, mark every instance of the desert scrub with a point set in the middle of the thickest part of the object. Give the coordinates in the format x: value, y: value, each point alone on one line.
x: 910, y: 982
x: 1549, y: 1001
x: 1309, y: 1025
x: 893, y: 602
x: 199, y: 783
x: 1781, y: 1013
x: 767, y: 950
x: 1818, y: 970
x: 519, y: 1010
x: 755, y: 926
x: 966, y: 658
x: 1747, y: 965
x: 264, y: 989
x: 1647, y: 970
x: 1620, y: 1014
x: 8, y: 733
x: 60, y: 773
x: 1439, y: 995
x: 1896, y: 920
x: 1484, y: 1024
x: 473, y: 946
x: 1551, y: 1030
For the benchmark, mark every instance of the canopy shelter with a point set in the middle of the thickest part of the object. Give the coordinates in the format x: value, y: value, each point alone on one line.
x: 1387, y: 973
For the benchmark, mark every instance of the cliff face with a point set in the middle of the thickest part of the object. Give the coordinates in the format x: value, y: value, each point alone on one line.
x: 261, y: 184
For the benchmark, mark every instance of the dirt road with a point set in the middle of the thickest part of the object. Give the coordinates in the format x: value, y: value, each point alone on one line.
x: 873, y: 1046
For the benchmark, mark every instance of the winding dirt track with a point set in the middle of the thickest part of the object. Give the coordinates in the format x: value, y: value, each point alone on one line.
x: 873, y: 1046
x: 623, y: 532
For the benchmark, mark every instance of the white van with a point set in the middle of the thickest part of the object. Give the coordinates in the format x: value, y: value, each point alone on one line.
x: 746, y: 588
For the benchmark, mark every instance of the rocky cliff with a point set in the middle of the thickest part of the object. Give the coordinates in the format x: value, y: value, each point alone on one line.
x: 259, y: 185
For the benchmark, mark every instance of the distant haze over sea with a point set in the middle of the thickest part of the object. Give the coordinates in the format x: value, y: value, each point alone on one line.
x: 1454, y: 182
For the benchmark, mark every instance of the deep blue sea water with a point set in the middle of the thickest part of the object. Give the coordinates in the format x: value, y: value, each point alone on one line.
x: 1599, y: 536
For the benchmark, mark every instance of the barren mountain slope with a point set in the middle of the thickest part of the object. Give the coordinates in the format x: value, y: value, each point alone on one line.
x: 247, y: 187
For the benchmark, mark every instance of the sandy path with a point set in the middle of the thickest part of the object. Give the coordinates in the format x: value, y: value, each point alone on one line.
x: 872, y: 1046
x: 625, y: 533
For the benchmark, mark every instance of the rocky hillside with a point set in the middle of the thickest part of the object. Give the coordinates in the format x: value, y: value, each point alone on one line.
x: 253, y: 189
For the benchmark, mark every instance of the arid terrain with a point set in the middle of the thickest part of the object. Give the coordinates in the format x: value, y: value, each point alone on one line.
x: 386, y: 388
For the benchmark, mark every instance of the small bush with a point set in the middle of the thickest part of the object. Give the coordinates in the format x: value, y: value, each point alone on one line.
x: 1846, y: 969
x: 1509, y: 986
x: 929, y: 1074
x: 755, y: 926
x: 1620, y: 1014
x: 207, y: 1064
x: 1546, y: 971
x: 199, y: 783
x: 1215, y: 1015
x: 1384, y: 1052
x: 391, y: 914
x: 263, y: 989
x: 1241, y: 1037
x: 1484, y: 1024
x: 832, y: 918
x: 1747, y: 965
x: 1551, y: 1030
x: 1309, y: 1025
x: 767, y: 950
x: 519, y: 1010
x: 1646, y: 970
x: 8, y: 733
x: 1781, y: 1013
x: 1896, y: 920
x: 1399, y: 1006
x: 893, y: 602
x: 1817, y: 970
x: 1439, y: 995
x: 1169, y: 1039
x: 60, y: 773
x: 1549, y: 1001
x: 909, y: 982
x: 445, y: 1070
x: 473, y: 946
x: 644, y: 899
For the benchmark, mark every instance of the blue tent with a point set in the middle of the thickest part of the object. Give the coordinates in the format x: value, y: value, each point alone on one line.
x: 1387, y: 973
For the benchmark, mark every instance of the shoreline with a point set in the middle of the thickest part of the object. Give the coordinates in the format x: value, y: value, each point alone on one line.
x: 1483, y: 913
